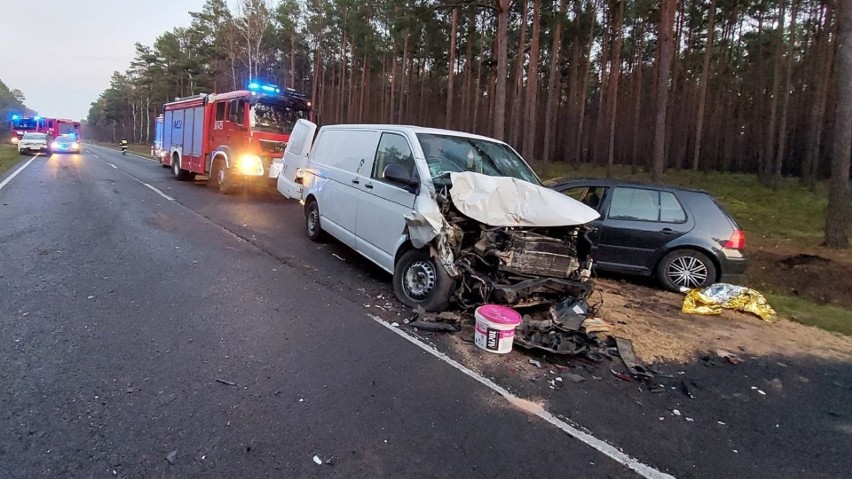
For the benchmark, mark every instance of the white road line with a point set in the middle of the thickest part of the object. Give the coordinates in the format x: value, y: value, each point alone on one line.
x: 9, y: 178
x: 610, y: 451
x: 155, y: 190
x: 110, y: 164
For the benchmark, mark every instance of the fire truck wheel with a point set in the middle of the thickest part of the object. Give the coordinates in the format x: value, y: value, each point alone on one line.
x: 179, y: 173
x: 220, y: 179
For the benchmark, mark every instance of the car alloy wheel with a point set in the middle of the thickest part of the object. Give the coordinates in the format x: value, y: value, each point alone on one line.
x: 687, y: 271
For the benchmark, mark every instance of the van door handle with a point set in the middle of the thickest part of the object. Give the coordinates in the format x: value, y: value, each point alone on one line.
x: 355, y: 181
x: 369, y: 186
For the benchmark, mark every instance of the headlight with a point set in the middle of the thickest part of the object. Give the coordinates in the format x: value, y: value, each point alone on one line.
x: 250, y: 165
x: 15, y: 140
x: 75, y: 145
x: 54, y: 146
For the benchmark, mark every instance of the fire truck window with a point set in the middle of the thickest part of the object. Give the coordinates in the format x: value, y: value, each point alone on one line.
x: 220, y: 111
x: 236, y: 112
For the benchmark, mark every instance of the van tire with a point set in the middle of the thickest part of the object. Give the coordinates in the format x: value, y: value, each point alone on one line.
x: 312, y: 222
x: 179, y: 173
x: 420, y: 282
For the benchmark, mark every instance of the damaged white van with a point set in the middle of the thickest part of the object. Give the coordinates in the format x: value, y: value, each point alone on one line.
x: 453, y: 216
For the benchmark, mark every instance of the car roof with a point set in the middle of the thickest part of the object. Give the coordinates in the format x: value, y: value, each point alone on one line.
x: 413, y: 129
x: 562, y: 183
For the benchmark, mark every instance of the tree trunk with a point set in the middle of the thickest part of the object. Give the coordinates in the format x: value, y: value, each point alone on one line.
x: 637, y: 95
x: 596, y: 140
x: 614, y: 75
x: 403, y: 77
x: 702, y: 92
x: 817, y: 120
x: 769, y: 149
x: 516, y: 129
x: 785, y: 104
x: 837, y: 217
x: 293, y: 59
x: 552, y: 88
x: 451, y: 70
x: 664, y: 63
x: 584, y: 87
x: 467, y: 96
x: 499, y: 117
x: 530, y: 129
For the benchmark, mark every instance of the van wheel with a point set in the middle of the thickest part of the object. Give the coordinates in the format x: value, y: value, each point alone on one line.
x: 419, y: 281
x: 312, y: 222
x: 179, y: 174
x: 686, y: 268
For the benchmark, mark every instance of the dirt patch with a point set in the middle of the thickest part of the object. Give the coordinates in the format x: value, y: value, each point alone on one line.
x: 660, y: 332
x: 814, y: 277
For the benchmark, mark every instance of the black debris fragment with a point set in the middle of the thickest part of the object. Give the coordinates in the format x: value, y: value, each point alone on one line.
x: 172, y: 457
x: 226, y: 382
x: 628, y: 357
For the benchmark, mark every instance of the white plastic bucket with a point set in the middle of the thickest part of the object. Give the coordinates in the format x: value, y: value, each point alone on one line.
x: 495, y: 328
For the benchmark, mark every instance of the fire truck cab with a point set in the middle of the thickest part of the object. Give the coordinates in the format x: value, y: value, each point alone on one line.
x: 233, y: 138
x: 18, y: 125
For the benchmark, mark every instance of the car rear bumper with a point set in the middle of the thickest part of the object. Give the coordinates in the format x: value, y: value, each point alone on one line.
x: 733, y: 269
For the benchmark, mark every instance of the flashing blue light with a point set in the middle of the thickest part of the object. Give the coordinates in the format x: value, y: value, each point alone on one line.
x: 37, y: 118
x: 253, y: 86
x: 15, y: 117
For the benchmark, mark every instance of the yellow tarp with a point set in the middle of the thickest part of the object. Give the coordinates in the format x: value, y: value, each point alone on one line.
x: 712, y: 299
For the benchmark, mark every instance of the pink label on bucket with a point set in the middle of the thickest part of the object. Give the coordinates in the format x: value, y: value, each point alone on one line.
x: 501, y: 334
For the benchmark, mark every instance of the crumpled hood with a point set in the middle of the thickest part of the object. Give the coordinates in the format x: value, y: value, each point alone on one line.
x: 504, y: 201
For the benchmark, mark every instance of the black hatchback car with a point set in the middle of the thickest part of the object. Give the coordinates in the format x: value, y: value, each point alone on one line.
x: 681, y: 236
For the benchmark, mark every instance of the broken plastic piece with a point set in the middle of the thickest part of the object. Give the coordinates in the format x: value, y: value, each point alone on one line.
x: 172, y: 457
x: 317, y: 460
x: 628, y: 357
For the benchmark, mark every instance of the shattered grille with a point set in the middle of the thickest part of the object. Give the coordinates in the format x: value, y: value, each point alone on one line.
x: 533, y: 254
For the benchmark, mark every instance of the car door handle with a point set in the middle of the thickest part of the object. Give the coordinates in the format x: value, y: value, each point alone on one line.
x: 355, y: 181
x: 369, y: 186
x: 667, y: 231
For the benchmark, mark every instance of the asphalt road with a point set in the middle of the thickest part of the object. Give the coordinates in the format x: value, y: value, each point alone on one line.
x: 125, y: 294
x: 120, y: 309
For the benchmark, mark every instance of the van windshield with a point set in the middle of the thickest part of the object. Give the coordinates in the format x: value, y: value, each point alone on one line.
x: 447, y: 154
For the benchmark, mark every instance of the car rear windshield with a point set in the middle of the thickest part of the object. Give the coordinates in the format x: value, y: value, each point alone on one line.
x: 456, y: 154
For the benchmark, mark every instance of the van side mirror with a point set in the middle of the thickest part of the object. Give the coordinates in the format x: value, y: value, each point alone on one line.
x: 398, y: 174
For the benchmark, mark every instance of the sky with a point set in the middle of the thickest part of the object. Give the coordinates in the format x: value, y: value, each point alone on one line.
x: 61, y: 53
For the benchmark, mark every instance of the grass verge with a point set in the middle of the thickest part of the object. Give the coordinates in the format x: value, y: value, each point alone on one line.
x: 9, y: 156
x: 829, y: 318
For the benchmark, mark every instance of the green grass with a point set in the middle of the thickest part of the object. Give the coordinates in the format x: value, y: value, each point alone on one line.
x: 9, y: 156
x: 829, y: 318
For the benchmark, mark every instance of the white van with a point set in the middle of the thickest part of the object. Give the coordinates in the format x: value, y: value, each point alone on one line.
x: 413, y: 200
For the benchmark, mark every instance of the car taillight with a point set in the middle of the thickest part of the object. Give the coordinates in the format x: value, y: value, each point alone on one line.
x: 737, y: 240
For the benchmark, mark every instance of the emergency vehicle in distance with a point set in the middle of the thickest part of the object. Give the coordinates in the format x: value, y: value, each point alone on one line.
x: 52, y: 127
x: 18, y: 125
x: 232, y: 137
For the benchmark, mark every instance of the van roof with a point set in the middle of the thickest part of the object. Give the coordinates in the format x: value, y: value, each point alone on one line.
x: 412, y: 129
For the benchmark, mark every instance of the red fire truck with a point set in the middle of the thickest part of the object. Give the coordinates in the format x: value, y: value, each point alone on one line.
x: 231, y: 137
x: 58, y: 127
x: 18, y: 125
